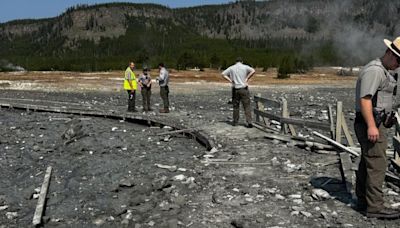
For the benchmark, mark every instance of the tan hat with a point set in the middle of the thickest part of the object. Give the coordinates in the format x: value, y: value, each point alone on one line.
x: 393, y: 46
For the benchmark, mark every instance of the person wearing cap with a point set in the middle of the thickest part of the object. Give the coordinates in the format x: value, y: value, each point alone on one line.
x: 239, y: 75
x: 144, y: 81
x: 163, y: 80
x: 130, y: 86
x: 374, y: 93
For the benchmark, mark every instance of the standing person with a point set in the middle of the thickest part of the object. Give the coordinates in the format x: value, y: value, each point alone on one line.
x: 163, y: 80
x: 130, y: 86
x: 238, y: 75
x: 374, y: 93
x: 145, y: 86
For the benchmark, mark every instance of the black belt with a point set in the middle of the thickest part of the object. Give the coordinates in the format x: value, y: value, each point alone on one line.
x: 241, y: 88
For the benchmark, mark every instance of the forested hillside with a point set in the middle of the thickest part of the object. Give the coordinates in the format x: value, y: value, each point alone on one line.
x: 302, y: 33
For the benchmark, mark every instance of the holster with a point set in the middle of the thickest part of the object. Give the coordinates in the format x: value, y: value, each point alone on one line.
x: 382, y: 117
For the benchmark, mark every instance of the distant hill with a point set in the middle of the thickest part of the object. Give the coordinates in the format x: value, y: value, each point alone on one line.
x: 106, y: 36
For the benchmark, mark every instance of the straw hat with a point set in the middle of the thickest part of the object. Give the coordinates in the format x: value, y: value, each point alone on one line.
x: 393, y: 46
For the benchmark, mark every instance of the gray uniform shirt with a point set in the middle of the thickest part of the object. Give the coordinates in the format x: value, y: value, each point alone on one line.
x: 373, y: 78
x: 238, y: 73
x: 144, y: 79
x: 163, y: 79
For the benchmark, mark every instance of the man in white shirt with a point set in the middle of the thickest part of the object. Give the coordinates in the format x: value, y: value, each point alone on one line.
x: 238, y: 75
x: 163, y: 80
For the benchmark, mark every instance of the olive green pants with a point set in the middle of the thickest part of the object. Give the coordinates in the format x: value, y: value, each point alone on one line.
x: 241, y: 96
x: 146, y: 95
x: 164, y: 93
x: 372, y: 168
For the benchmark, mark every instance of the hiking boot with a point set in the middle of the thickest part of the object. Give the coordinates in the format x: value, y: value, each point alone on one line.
x: 249, y: 125
x: 164, y: 110
x: 234, y: 124
x: 385, y: 213
x: 361, y: 207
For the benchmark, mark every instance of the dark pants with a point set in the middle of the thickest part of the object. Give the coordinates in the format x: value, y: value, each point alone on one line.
x: 164, y: 91
x: 146, y: 94
x: 372, y: 167
x: 131, y: 100
x: 241, y: 95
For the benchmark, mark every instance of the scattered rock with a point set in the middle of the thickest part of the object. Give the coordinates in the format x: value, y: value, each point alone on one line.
x: 12, y: 215
x: 320, y: 194
x: 168, y: 167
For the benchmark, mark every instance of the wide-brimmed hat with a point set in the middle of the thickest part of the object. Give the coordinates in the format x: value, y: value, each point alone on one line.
x: 393, y: 46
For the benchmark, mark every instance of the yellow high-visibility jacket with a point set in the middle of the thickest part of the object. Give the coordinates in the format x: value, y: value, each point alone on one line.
x: 127, y: 86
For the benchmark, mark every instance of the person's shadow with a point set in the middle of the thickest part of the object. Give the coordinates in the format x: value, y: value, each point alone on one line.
x: 335, y: 187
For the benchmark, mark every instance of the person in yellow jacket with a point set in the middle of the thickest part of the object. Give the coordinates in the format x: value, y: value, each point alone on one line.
x: 130, y: 85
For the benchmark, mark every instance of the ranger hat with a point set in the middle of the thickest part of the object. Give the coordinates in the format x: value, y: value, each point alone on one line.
x: 393, y: 46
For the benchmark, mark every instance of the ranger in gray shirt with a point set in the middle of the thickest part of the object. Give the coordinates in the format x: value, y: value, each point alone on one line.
x: 238, y: 75
x: 374, y: 92
x: 163, y: 80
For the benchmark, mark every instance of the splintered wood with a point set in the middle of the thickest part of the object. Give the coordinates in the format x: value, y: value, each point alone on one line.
x: 348, y: 173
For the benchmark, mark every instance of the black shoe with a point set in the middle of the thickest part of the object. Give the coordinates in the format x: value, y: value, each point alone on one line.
x: 234, y: 124
x: 385, y: 213
x: 249, y: 125
x: 360, y: 207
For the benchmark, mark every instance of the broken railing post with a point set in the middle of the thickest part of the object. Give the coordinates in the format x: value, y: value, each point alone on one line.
x: 37, y: 218
x: 260, y: 106
x: 331, y: 121
x: 336, y: 143
x: 338, y: 122
x: 285, y: 113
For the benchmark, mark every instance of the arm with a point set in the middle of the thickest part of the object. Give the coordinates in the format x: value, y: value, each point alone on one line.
x: 250, y: 74
x: 140, y: 82
x: 227, y: 78
x: 367, y: 113
x: 149, y: 83
x: 226, y: 74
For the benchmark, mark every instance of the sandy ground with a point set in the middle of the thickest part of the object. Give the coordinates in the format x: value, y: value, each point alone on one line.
x: 108, y: 177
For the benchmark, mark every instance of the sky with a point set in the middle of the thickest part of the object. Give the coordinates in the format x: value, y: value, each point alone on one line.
x: 33, y: 9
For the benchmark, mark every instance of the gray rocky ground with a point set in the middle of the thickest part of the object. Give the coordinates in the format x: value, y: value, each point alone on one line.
x: 108, y: 177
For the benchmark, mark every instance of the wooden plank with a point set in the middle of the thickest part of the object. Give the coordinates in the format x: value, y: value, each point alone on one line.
x: 299, y: 141
x: 265, y: 128
x: 267, y: 102
x: 260, y: 106
x: 332, y: 123
x: 339, y: 113
x: 176, y: 132
x: 37, y: 218
x: 291, y: 127
x: 285, y: 114
x: 391, y: 177
x: 396, y: 143
x: 297, y: 122
x: 397, y: 123
x: 396, y: 164
x: 348, y: 174
x: 336, y: 143
x: 347, y: 132
x: 235, y: 163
